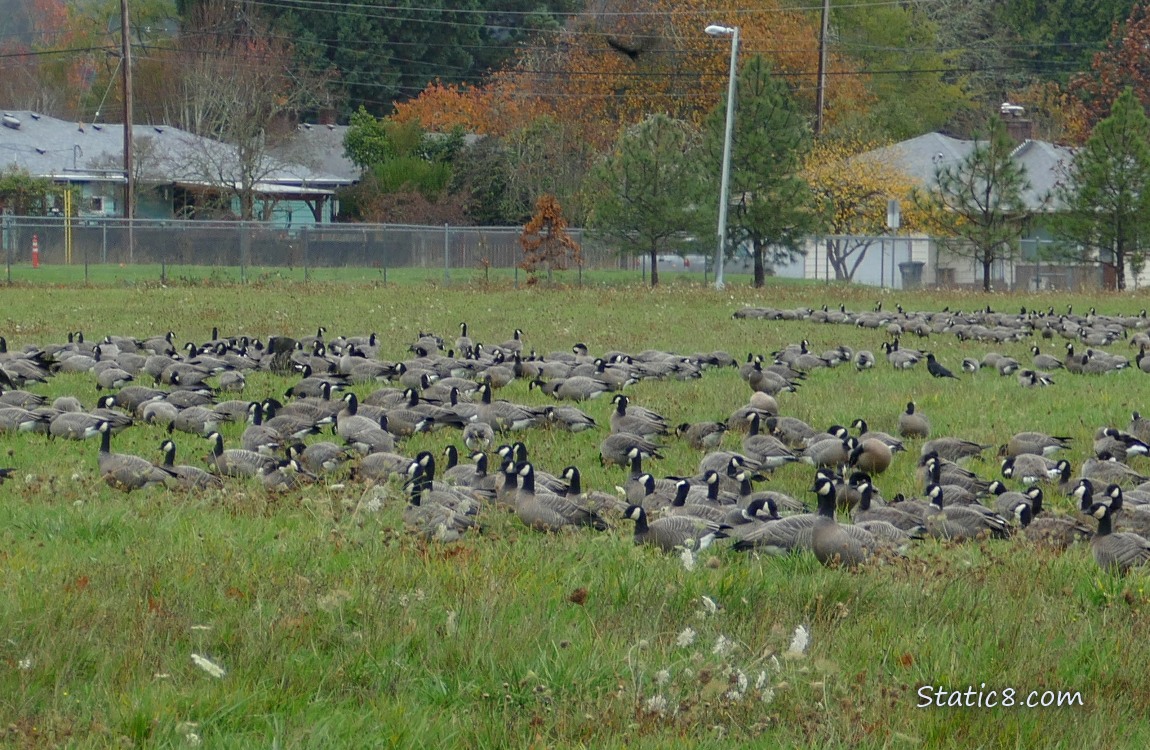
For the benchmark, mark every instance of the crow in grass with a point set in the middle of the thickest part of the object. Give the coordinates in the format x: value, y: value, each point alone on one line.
x: 936, y: 369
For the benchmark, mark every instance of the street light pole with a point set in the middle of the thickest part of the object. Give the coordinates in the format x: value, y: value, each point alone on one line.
x: 724, y: 188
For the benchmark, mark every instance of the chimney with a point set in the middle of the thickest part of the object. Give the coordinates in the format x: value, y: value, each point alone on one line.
x: 1018, y: 126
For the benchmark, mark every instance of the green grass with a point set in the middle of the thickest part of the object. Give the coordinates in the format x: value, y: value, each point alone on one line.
x: 336, y: 629
x: 146, y: 274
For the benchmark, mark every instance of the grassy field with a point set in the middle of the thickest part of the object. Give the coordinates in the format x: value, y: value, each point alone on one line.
x: 144, y: 274
x: 334, y: 628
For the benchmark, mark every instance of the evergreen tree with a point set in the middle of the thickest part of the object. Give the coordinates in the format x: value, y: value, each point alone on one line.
x: 645, y: 193
x: 772, y: 206
x: 977, y: 203
x: 1107, y: 196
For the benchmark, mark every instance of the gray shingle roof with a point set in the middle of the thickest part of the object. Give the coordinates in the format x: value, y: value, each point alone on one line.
x: 920, y: 157
x: 48, y: 147
x: 322, y: 146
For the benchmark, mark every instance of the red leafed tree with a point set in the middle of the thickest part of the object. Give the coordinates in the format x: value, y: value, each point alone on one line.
x: 545, y: 241
x: 1124, y: 63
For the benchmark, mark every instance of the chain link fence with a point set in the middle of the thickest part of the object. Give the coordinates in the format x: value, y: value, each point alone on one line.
x: 248, y: 246
x: 112, y: 250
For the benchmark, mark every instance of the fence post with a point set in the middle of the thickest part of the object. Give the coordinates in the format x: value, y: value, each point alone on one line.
x: 244, y: 241
x: 103, y: 243
x: 446, y: 252
x: 306, y: 261
x: 306, y: 251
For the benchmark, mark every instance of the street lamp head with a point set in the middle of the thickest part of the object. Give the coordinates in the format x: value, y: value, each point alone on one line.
x: 716, y: 30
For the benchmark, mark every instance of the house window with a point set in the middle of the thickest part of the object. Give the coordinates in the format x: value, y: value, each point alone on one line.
x: 96, y: 204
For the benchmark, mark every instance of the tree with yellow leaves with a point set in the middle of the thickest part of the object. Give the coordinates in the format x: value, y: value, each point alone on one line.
x: 854, y: 191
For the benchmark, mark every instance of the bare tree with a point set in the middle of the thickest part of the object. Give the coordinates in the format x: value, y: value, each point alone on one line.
x: 146, y: 165
x: 239, y: 88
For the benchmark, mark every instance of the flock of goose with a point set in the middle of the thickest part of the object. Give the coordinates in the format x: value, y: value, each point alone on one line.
x: 342, y: 385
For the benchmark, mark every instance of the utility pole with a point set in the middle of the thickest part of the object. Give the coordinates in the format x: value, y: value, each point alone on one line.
x: 820, y: 97
x: 126, y: 67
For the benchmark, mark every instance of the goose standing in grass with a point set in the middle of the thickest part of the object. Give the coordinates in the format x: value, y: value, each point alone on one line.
x: 578, y: 388
x: 1044, y: 361
x: 653, y: 493
x: 708, y: 509
x: 504, y: 416
x: 830, y: 453
x: 953, y: 449
x: 774, y: 535
x: 832, y: 543
x: 1030, y: 468
x: 673, y: 532
x: 569, y: 418
x: 1038, y: 443
x: 702, y: 435
x: 951, y: 475
x: 900, y: 359
x: 236, y: 462
x: 871, y: 455
x: 767, y: 450
x: 188, y: 477
x: 73, y: 425
x: 636, y: 420
x: 544, y: 511
x: 1116, y: 552
x: 620, y: 448
x: 478, y: 436
x: 362, y: 433
x: 259, y: 437
x: 431, y: 520
x: 1121, y: 445
x: 16, y: 419
x: 912, y: 423
x: 1106, y: 469
x: 865, y: 511
x: 1139, y: 426
x: 126, y: 472
x: 1006, y: 501
x: 592, y: 499
x: 319, y: 458
x: 891, y: 441
x: 959, y: 523
x: 381, y: 466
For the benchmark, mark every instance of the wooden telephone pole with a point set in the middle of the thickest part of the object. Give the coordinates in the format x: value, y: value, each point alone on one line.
x: 126, y: 67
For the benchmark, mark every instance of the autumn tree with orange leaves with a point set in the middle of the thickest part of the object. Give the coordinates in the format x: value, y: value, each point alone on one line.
x: 626, y: 60
x: 1125, y: 63
x: 546, y: 243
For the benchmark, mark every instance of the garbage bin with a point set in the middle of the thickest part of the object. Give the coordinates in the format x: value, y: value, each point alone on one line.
x: 911, y: 274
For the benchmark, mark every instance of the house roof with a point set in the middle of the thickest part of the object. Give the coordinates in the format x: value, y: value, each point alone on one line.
x: 323, y: 147
x: 87, y: 152
x: 922, y: 156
